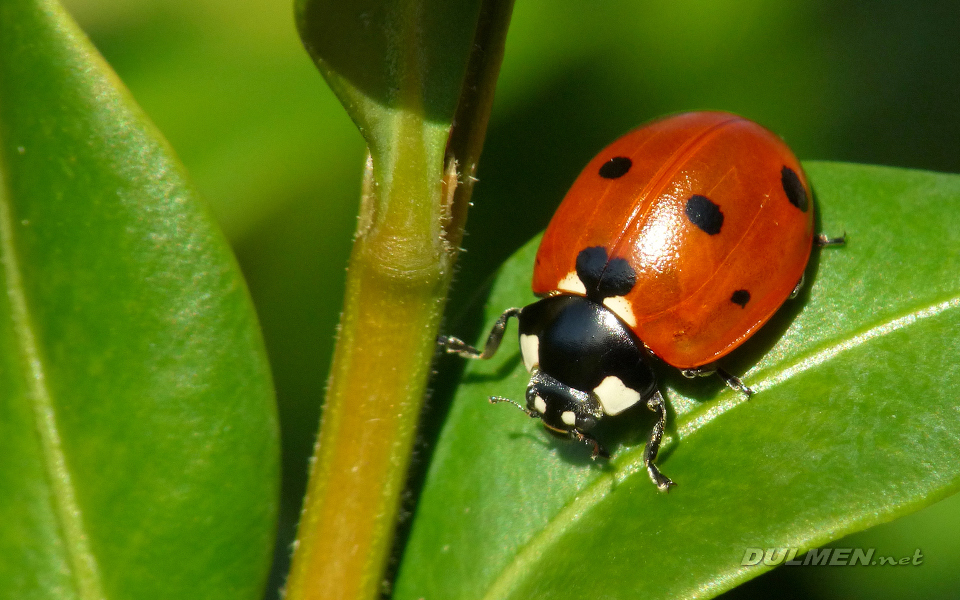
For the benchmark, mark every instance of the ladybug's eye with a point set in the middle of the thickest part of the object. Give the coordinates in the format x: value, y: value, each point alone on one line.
x: 616, y: 167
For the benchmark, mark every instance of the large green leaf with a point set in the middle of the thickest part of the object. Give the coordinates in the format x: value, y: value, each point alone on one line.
x: 138, y: 443
x: 854, y: 423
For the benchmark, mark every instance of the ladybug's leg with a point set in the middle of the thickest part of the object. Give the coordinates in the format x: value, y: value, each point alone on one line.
x: 819, y: 241
x: 589, y: 440
x: 657, y: 405
x: 457, y: 346
x: 733, y: 382
x: 798, y: 287
x: 822, y: 240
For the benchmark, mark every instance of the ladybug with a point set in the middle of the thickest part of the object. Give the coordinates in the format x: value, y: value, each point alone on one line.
x: 678, y: 241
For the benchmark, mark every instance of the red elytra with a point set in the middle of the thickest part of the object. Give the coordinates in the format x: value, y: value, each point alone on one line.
x: 712, y: 212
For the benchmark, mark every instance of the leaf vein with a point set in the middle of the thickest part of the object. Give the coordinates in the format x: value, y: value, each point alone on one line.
x: 83, y: 563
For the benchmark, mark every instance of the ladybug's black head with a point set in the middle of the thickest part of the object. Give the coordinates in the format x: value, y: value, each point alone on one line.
x: 561, y: 407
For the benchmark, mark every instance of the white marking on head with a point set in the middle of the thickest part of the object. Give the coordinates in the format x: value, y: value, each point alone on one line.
x: 571, y: 283
x: 621, y: 307
x: 614, y: 396
x: 530, y: 351
x: 568, y: 417
x: 540, y: 405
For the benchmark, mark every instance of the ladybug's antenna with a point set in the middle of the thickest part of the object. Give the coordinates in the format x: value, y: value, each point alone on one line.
x: 530, y: 413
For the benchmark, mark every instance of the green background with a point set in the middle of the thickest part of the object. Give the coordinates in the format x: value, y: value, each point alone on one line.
x: 278, y: 160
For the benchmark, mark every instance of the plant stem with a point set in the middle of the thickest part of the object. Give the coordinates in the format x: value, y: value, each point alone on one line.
x: 416, y: 189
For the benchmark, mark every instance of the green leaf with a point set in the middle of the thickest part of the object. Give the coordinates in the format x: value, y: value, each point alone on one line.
x: 138, y: 441
x: 384, y: 55
x: 854, y: 423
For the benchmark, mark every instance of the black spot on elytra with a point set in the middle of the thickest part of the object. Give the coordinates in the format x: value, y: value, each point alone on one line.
x: 703, y: 213
x: 740, y: 297
x: 602, y: 276
x: 794, y: 189
x: 615, y: 167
